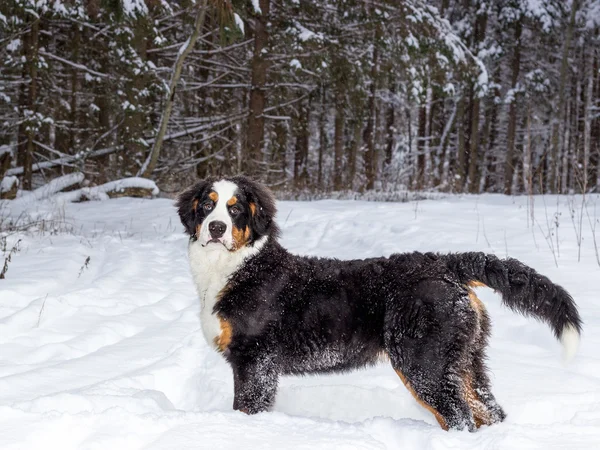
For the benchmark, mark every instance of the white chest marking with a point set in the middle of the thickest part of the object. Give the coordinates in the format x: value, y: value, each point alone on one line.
x: 211, y: 268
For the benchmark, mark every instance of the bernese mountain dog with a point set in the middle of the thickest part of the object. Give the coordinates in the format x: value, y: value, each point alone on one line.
x: 271, y: 313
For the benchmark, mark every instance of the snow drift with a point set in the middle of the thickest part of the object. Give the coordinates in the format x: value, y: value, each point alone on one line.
x: 101, y: 345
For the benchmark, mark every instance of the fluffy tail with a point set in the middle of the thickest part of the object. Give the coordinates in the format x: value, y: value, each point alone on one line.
x: 524, y: 291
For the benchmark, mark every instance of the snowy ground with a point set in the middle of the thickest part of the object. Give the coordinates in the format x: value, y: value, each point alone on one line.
x: 110, y: 355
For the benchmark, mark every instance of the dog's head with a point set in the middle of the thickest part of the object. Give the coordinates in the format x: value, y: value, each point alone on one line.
x: 230, y: 213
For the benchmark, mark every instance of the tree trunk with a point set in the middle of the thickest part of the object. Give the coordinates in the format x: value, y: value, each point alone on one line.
x: 322, y: 136
x: 135, y: 117
x: 427, y: 137
x: 421, y: 147
x: 338, y: 139
x: 259, y: 68
x: 278, y: 160
x: 564, y: 176
x: 103, y: 99
x: 485, y: 144
x: 491, y: 179
x: 474, y: 147
x: 444, y: 155
x: 435, y: 132
x: 408, y: 121
x: 74, y: 89
x: 512, y: 112
x: 595, y: 127
x: 301, y: 148
x: 474, y: 163
x: 587, y: 132
x: 204, y: 107
x: 27, y: 146
x: 527, y: 172
x: 150, y: 163
x: 461, y: 173
x: 389, y: 129
x: 354, y: 149
x: 22, y: 129
x: 369, y: 133
x: 559, y: 111
x: 575, y: 123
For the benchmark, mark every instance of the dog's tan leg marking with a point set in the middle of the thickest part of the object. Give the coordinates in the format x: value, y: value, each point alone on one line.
x: 481, y: 415
x: 476, y: 303
x: 428, y: 407
x: 480, y: 412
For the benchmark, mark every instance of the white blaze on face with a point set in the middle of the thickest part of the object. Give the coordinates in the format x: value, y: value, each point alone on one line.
x: 225, y: 190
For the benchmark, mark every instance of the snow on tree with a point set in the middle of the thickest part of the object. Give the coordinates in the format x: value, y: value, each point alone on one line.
x: 308, y: 96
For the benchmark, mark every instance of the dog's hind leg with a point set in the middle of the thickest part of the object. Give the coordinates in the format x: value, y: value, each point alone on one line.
x: 485, y: 408
x: 479, y: 395
x: 427, y: 336
x: 442, y: 397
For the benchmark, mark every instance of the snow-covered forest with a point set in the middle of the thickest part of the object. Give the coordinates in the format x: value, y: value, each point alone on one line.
x: 101, y: 338
x: 334, y: 95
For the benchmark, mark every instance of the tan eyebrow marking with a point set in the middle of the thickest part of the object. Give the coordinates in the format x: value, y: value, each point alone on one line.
x: 214, y: 196
x: 232, y: 201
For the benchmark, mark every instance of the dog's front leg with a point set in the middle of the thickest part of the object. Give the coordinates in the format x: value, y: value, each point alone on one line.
x: 255, y: 384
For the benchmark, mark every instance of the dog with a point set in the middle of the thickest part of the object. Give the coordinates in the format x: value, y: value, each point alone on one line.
x: 271, y: 313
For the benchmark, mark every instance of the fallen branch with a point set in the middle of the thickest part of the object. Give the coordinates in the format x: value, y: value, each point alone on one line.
x: 127, y: 187
x: 8, y: 188
x: 52, y: 188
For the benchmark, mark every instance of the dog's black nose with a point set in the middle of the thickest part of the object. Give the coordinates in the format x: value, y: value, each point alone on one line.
x: 217, y: 229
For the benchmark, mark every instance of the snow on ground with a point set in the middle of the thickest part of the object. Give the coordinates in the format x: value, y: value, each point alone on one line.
x: 110, y: 354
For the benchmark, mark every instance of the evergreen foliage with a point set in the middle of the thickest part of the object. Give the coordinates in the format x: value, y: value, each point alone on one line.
x: 330, y: 95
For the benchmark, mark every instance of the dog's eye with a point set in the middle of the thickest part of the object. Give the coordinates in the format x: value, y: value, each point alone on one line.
x: 234, y: 210
x: 208, y: 206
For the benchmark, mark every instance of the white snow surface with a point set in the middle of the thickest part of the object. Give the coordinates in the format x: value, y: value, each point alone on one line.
x: 111, y: 354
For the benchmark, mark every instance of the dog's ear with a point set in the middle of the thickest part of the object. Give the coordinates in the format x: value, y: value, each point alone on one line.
x: 262, y: 208
x: 187, y: 202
